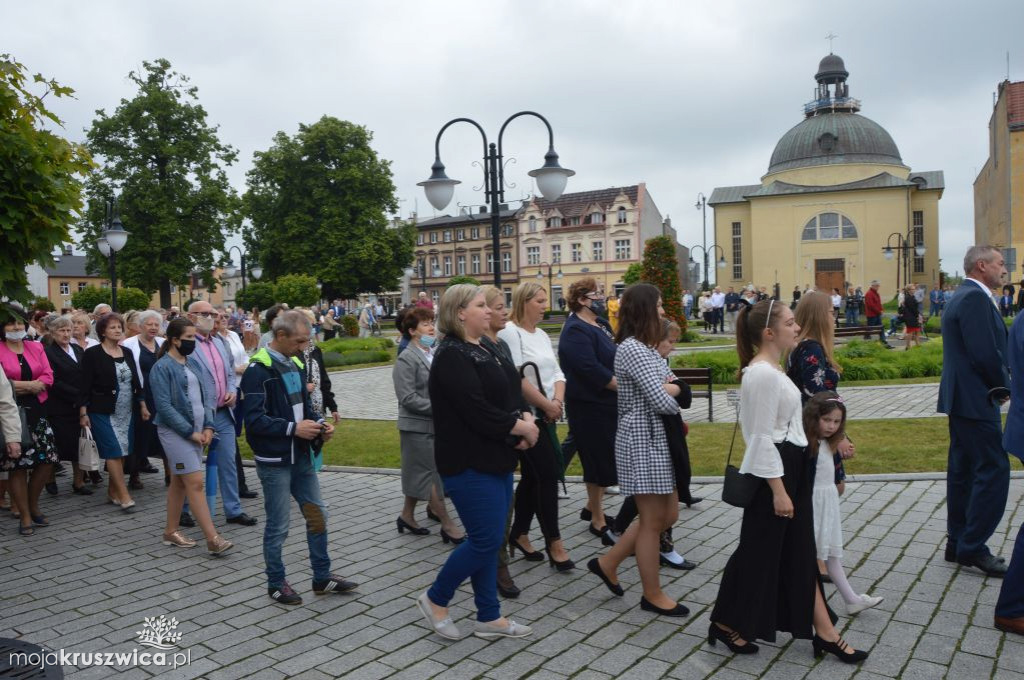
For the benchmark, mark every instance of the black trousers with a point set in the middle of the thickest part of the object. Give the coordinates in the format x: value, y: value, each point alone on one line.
x: 977, y: 484
x: 537, y: 492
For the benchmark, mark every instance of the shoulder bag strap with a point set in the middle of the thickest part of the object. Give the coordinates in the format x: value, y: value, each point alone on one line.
x: 733, y: 442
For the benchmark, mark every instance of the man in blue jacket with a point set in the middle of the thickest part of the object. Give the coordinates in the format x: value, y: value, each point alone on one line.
x: 974, y: 374
x: 285, y: 434
x: 1009, y: 614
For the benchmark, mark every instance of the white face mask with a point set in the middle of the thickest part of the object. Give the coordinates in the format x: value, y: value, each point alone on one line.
x: 204, y: 324
x: 16, y: 336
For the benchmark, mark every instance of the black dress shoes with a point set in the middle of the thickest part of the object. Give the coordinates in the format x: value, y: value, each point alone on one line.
x: 243, y: 519
x: 678, y: 610
x: 506, y: 586
x: 247, y: 494
x: 149, y: 469
x: 950, y: 552
x: 186, y: 521
x: 990, y: 564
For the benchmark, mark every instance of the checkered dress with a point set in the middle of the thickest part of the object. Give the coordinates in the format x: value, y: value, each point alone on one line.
x: 641, y: 448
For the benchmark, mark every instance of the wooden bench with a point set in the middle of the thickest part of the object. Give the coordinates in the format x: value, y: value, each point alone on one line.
x: 699, y: 377
x: 857, y: 331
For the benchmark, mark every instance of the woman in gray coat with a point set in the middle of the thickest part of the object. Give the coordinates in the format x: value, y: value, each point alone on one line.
x: 420, y: 481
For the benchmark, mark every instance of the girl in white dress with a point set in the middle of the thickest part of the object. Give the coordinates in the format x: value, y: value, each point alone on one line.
x: 824, y: 425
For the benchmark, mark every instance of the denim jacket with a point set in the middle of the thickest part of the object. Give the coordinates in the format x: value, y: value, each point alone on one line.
x: 168, y: 382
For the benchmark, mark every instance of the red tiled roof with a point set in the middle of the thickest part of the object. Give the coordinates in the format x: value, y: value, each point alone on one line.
x: 574, y: 204
x: 1015, y: 104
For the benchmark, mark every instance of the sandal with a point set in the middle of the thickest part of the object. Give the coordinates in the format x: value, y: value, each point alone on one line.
x: 26, y: 531
x: 40, y: 521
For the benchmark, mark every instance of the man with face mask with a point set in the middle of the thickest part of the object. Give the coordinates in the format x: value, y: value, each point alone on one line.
x: 220, y: 379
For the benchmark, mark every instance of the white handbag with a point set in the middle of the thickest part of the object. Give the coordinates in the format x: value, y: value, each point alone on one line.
x: 88, y: 454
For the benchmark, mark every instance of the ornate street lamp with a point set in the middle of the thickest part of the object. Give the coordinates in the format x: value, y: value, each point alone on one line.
x: 113, y: 239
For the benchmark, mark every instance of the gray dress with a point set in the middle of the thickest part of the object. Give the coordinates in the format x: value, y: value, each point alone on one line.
x: 184, y: 455
x: 415, y: 424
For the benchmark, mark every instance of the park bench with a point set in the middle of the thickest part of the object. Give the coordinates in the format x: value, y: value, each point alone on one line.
x: 857, y: 331
x: 699, y: 377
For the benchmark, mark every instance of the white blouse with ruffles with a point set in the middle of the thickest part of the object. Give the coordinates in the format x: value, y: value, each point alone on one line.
x: 770, y: 413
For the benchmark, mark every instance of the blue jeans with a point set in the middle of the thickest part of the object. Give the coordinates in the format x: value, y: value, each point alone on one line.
x: 977, y: 484
x: 227, y: 473
x: 877, y: 321
x: 280, y: 482
x: 851, y: 318
x: 482, y: 501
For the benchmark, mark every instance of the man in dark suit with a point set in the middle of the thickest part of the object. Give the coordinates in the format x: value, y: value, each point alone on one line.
x: 973, y: 364
x: 1010, y: 607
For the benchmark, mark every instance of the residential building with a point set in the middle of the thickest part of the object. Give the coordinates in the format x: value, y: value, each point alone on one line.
x: 999, y: 187
x: 836, y: 194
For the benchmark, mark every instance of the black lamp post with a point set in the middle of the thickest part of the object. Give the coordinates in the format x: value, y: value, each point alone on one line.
x: 902, y: 245
x: 702, y: 205
x: 230, y: 270
x: 720, y: 263
x: 113, y: 239
x: 540, y: 275
x: 551, y: 177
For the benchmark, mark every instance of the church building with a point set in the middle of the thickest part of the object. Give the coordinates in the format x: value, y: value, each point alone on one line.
x: 838, y: 206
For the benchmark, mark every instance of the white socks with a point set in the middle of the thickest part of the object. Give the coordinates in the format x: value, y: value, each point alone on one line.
x: 838, y: 576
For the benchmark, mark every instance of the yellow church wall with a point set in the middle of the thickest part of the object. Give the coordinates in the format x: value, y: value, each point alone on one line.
x: 828, y: 175
x: 724, y: 216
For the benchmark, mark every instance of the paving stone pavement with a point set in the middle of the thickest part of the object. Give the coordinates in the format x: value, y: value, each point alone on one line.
x: 86, y: 583
x: 368, y: 394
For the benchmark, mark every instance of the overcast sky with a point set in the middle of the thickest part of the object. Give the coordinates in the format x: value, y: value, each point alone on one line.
x: 684, y: 96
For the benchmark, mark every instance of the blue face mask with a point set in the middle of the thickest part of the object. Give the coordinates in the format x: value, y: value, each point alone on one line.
x: 427, y: 340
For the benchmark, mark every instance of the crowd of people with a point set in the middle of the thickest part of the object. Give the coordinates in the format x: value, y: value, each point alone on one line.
x: 480, y: 389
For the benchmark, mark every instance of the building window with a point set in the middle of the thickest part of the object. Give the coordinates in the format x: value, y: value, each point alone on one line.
x: 507, y: 230
x: 623, y: 251
x: 447, y: 235
x: 556, y: 253
x: 436, y: 297
x: 460, y: 265
x: 460, y: 235
x: 574, y: 221
x: 829, y: 226
x: 447, y: 265
x: 576, y: 250
x: 433, y: 266
x: 419, y: 239
x: 622, y: 215
x: 508, y: 297
x: 533, y: 223
x: 554, y: 222
x: 82, y: 285
x: 918, y: 239
x: 475, y: 263
x: 474, y: 233
x: 619, y: 288
x: 506, y: 262
x: 532, y: 255
x: 420, y: 271
x: 433, y: 237
x: 556, y: 295
x: 594, y: 218
x: 598, y: 247
x: 65, y: 288
x: 737, y: 251
x: 490, y: 263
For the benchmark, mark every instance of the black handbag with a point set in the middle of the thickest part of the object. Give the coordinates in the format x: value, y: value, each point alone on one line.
x: 27, y: 442
x: 738, y: 488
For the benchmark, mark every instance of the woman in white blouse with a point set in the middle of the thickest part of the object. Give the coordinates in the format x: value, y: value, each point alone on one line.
x: 537, y: 493
x: 771, y: 582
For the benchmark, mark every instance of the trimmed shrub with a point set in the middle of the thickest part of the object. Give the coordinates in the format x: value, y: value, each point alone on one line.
x: 333, y: 359
x: 343, y: 345
x: 350, y: 325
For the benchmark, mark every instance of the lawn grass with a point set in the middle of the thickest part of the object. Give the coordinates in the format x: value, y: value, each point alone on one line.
x: 883, y: 446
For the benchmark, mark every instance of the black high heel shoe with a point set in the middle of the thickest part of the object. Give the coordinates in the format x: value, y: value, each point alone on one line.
x: 678, y: 610
x: 586, y: 515
x: 431, y: 515
x: 602, y: 533
x: 535, y: 556
x: 716, y: 633
x: 565, y: 565
x: 419, y: 531
x: 821, y: 647
x: 693, y: 500
x: 448, y: 538
x: 595, y: 568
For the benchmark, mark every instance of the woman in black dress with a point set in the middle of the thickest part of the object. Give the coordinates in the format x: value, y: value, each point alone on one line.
x: 62, y: 408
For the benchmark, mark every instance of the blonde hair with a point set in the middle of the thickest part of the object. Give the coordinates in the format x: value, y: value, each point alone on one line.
x: 491, y: 293
x: 455, y: 298
x: 814, y: 316
x: 523, y: 293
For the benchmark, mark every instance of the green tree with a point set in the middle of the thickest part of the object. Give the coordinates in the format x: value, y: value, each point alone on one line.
x: 318, y: 204
x: 462, y: 278
x: 132, y: 298
x: 634, y: 273
x: 661, y: 268
x: 258, y: 294
x: 40, y: 189
x: 297, y: 290
x: 127, y: 298
x: 43, y: 304
x: 169, y: 165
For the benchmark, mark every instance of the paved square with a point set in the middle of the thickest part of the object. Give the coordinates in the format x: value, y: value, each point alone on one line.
x: 87, y: 582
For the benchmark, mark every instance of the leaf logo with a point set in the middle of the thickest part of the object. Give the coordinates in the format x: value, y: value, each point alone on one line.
x: 159, y: 632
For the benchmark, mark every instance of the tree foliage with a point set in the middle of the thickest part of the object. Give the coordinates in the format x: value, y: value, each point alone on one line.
x: 318, y: 204
x: 41, y: 189
x: 43, y: 304
x: 661, y: 268
x: 297, y: 290
x: 634, y: 273
x: 168, y: 164
x: 258, y: 294
x: 462, y: 278
x: 127, y: 298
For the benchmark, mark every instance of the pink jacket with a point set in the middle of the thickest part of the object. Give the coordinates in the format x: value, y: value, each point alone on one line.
x: 35, y: 355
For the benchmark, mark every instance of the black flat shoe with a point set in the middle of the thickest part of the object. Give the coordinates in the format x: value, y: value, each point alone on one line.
x: 678, y: 610
x: 535, y: 556
x: 81, y: 490
x: 602, y: 533
x: 51, y: 488
x: 149, y: 469
x: 586, y: 515
x: 715, y: 633
x: 990, y: 564
x: 595, y: 568
x: 685, y: 565
x: 186, y: 521
x: 248, y: 494
x: 950, y: 553
x: 431, y: 515
x: 506, y: 586
x: 448, y: 538
x: 837, y: 648
x: 243, y: 519
x: 95, y: 477
x: 403, y: 526
x: 693, y: 501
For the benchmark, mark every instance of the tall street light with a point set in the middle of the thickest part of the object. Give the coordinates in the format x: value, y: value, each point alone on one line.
x: 113, y: 239
x: 551, y: 177
x: 902, y: 245
x: 721, y: 263
x: 702, y: 205
x: 540, y: 275
x: 230, y: 270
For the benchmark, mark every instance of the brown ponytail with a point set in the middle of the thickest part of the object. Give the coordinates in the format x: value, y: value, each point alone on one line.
x: 750, y: 324
x: 175, y: 329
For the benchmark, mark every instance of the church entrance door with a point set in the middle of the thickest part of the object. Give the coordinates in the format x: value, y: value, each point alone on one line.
x: 829, y: 274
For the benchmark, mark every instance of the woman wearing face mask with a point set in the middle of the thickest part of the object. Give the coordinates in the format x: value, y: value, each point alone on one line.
x: 184, y: 423
x: 420, y: 481
x: 26, y: 366
x: 111, y: 395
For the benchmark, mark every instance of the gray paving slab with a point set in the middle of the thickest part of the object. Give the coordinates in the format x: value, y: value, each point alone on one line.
x: 78, y: 595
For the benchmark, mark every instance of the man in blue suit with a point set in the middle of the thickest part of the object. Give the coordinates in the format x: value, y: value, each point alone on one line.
x: 974, y: 364
x: 1010, y: 607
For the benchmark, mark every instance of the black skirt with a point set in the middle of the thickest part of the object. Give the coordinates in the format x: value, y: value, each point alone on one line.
x: 66, y: 431
x: 593, y: 428
x: 768, y: 584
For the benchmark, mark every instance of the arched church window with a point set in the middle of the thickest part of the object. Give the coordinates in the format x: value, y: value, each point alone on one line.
x: 829, y: 226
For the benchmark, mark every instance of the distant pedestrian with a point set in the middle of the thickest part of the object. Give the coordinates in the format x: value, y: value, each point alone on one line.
x: 873, y: 310
x: 911, y: 317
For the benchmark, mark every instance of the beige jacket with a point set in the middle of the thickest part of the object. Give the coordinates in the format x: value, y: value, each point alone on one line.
x: 10, y: 421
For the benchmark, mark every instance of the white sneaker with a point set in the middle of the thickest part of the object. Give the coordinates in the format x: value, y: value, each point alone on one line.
x: 612, y: 490
x: 866, y: 602
x: 491, y: 630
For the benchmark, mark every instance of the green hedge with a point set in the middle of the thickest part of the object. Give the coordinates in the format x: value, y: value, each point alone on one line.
x: 352, y: 351
x: 861, y: 360
x: 333, y: 359
x: 343, y: 345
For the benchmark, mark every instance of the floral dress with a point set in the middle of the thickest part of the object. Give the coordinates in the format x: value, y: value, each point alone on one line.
x: 810, y: 371
x: 121, y: 419
x: 45, y: 447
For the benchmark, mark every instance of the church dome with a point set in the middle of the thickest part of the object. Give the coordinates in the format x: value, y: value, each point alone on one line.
x: 834, y: 138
